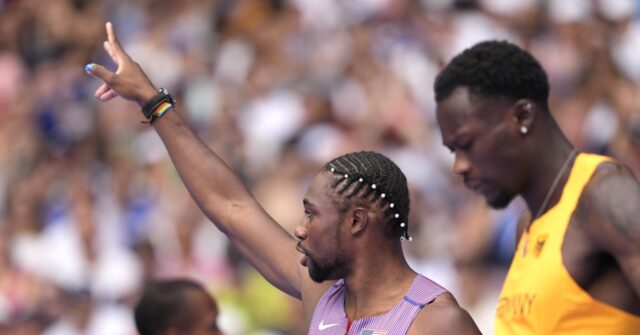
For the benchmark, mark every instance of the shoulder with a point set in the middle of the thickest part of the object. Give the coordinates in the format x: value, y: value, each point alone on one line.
x: 443, y: 315
x: 608, y: 207
x: 612, y: 193
x: 610, y: 171
x: 607, y: 176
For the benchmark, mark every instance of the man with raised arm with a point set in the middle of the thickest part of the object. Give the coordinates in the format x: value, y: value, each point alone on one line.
x: 356, y: 210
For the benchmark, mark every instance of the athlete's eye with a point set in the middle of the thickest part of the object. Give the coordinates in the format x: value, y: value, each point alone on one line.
x: 466, y: 145
x: 308, y: 214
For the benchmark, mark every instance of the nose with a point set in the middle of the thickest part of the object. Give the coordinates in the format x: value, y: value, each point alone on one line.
x: 301, y: 232
x: 461, y: 164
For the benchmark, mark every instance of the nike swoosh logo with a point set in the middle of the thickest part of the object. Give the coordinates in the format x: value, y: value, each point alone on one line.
x: 322, y: 326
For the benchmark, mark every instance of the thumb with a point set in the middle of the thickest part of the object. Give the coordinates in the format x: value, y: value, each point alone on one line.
x: 100, y: 71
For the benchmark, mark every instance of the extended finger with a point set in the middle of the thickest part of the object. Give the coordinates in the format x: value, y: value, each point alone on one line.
x: 114, y: 43
x: 109, y: 50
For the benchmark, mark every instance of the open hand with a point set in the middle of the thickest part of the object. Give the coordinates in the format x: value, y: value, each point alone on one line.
x: 129, y: 81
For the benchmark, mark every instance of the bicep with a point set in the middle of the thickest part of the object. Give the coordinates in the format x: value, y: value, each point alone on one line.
x: 272, y: 251
x: 611, y: 214
x: 266, y: 245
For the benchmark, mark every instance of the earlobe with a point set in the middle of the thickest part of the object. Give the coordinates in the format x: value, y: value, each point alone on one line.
x: 523, y: 116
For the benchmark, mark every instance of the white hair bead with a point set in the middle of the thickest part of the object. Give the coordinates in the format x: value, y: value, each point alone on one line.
x: 360, y: 180
x: 333, y: 170
x: 373, y: 186
x: 391, y: 205
x: 401, y: 238
x: 402, y: 225
x: 382, y: 195
x: 346, y: 176
x: 410, y: 239
x: 397, y: 215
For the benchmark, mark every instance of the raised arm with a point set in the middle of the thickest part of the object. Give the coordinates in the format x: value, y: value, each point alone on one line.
x: 216, y: 189
x: 610, y: 213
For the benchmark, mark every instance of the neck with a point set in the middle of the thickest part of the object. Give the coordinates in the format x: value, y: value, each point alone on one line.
x: 382, y: 278
x: 550, y: 159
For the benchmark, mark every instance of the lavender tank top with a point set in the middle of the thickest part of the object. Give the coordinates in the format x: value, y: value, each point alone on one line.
x: 329, y: 317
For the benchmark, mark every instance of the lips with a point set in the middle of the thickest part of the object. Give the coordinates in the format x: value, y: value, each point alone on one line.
x: 301, y: 249
x: 303, y: 260
x: 475, y: 185
x: 305, y: 254
x: 472, y: 184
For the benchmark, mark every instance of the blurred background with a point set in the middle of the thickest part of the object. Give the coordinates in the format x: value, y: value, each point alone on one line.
x: 91, y: 207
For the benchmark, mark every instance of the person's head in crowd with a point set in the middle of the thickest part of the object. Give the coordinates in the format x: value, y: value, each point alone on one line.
x: 176, y: 307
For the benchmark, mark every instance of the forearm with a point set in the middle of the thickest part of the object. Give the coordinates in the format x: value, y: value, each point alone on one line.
x: 225, y: 200
x: 213, y: 185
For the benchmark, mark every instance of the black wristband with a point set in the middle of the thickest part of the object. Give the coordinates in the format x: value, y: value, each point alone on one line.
x: 149, y: 107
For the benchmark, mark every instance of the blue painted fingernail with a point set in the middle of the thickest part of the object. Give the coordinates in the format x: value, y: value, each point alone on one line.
x: 88, y: 67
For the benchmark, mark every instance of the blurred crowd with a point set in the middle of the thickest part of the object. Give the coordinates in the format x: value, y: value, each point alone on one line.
x: 91, y: 206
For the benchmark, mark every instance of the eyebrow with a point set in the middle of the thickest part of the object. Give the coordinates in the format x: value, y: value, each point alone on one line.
x: 449, y: 144
x: 454, y: 140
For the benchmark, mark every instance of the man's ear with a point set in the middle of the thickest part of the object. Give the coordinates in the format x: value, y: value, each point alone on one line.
x: 524, y: 113
x: 359, y: 219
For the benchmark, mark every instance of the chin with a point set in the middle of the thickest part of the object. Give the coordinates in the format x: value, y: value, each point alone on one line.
x: 316, y: 277
x: 500, y: 200
x: 320, y: 273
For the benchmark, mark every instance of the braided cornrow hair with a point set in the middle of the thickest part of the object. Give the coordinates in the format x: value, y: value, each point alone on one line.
x: 369, y: 177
